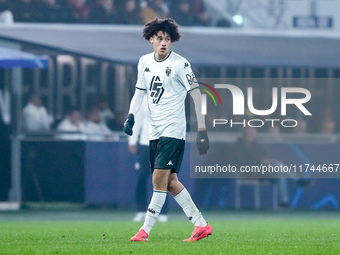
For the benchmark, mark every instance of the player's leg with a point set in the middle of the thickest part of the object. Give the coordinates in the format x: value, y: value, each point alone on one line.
x: 160, y: 177
x: 183, y: 198
x: 158, y: 173
x: 163, y: 216
x: 160, y: 182
x: 179, y: 192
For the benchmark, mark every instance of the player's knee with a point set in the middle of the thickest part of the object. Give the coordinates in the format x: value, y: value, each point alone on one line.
x: 159, y: 184
x: 172, y: 184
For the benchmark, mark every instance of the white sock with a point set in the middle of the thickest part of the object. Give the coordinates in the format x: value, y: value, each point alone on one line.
x: 155, y: 207
x: 183, y: 198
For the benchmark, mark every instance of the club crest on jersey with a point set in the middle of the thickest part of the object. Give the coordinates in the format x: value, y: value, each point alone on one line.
x: 168, y: 71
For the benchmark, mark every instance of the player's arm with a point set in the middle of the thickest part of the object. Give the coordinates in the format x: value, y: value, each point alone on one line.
x: 135, y: 104
x: 136, y: 101
x: 195, y: 94
x: 202, y: 139
x: 188, y: 78
x: 137, y: 129
x: 133, y: 139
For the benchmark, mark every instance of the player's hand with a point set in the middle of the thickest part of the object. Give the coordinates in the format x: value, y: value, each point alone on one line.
x: 130, y: 121
x: 202, y: 142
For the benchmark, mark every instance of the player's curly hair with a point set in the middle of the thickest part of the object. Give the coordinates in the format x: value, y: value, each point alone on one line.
x: 165, y: 25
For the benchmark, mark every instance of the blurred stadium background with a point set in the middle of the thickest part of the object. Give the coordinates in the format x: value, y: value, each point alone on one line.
x: 67, y: 52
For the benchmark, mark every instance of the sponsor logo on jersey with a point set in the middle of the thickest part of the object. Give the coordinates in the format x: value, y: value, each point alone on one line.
x: 168, y: 71
x: 147, y: 69
x: 191, y: 78
x: 186, y: 64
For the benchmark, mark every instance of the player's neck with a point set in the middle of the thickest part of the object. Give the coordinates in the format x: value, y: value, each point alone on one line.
x: 160, y: 57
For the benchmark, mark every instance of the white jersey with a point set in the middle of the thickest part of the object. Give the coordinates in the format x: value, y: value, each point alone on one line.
x: 166, y: 83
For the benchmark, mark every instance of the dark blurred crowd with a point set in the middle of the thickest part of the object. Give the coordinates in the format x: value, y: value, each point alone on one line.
x: 185, y: 12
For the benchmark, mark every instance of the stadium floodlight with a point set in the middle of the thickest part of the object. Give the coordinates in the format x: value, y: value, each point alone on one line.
x: 238, y: 19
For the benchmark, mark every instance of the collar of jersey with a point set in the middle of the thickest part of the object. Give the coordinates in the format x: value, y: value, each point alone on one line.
x: 163, y: 58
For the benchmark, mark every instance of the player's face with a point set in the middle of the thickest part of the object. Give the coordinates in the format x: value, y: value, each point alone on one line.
x: 161, y: 44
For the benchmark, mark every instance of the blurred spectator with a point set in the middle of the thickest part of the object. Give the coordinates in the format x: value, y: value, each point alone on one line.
x: 107, y: 117
x: 120, y: 119
x: 249, y: 153
x: 80, y: 11
x: 130, y: 15
x: 94, y: 129
x: 72, y: 123
x: 6, y: 15
x: 185, y: 12
x: 35, y: 115
x: 53, y: 12
x: 328, y: 127
x: 328, y: 124
x: 202, y: 17
x: 160, y: 7
x: 301, y: 127
x: 104, y: 12
x: 24, y: 11
x: 274, y: 130
x: 181, y: 13
x: 147, y: 13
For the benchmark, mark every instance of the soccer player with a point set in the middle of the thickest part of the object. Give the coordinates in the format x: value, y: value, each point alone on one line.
x: 167, y: 77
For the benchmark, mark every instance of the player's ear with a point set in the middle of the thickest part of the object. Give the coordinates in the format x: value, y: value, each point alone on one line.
x: 151, y: 39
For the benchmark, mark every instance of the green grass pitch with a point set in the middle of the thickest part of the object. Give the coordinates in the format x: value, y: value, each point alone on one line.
x: 243, y: 236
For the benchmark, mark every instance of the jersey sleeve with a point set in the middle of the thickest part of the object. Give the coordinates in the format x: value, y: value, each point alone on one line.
x: 186, y: 76
x: 140, y: 79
